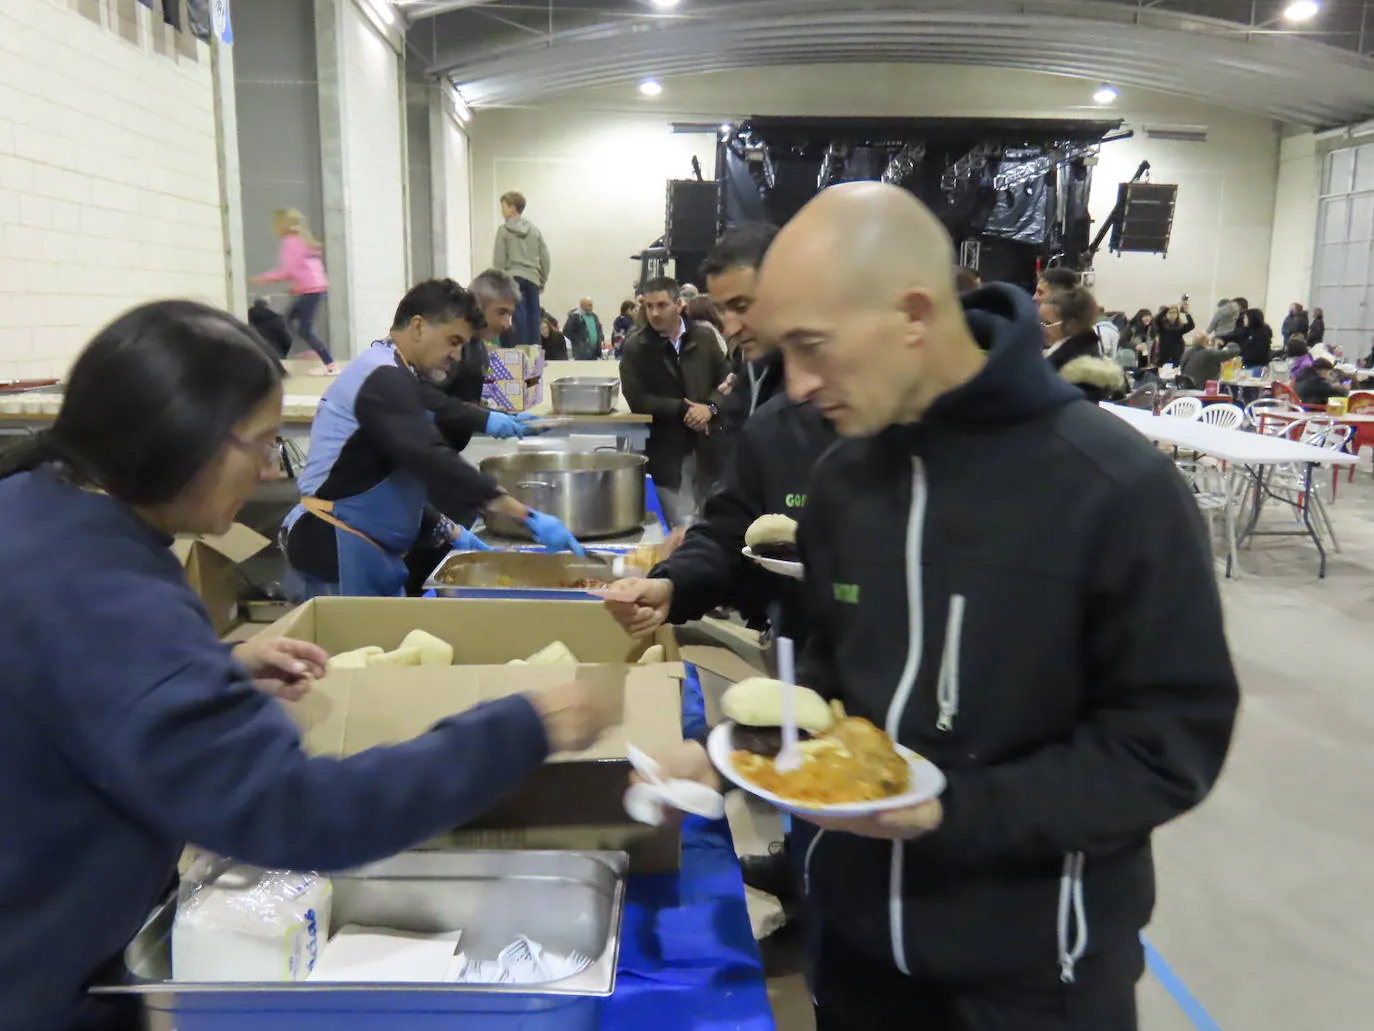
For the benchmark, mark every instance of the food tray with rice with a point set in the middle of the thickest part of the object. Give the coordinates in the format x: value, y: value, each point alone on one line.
x: 850, y: 767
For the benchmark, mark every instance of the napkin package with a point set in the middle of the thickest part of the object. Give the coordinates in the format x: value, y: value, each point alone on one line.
x: 243, y: 924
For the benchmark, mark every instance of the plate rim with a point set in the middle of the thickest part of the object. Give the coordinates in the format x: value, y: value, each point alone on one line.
x: 776, y: 566
x: 721, y: 740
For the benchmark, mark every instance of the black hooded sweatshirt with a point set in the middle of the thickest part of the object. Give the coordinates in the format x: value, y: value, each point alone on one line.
x: 770, y: 471
x: 992, y: 585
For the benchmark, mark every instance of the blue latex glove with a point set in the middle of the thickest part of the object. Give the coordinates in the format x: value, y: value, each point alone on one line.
x: 503, y: 426
x: 549, y: 531
x: 465, y: 540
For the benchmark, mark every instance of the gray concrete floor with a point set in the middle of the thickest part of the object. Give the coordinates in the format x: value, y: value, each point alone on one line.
x: 1266, y: 892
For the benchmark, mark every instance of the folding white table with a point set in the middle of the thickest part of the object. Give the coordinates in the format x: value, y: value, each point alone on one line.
x: 1257, y: 453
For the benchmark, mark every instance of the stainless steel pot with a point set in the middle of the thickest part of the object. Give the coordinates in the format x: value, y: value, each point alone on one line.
x: 584, y: 395
x: 596, y: 495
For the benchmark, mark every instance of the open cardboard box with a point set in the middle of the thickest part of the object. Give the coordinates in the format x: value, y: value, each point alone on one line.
x: 211, y: 564
x: 574, y: 801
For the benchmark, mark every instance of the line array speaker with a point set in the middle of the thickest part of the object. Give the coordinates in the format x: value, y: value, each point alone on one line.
x: 1147, y: 219
x: 692, y: 211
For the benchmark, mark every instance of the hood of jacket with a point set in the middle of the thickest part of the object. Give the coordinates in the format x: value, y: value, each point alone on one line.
x: 519, y: 226
x: 1016, y: 383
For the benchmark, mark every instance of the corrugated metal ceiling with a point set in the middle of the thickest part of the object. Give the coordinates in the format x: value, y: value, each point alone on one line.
x: 1238, y: 53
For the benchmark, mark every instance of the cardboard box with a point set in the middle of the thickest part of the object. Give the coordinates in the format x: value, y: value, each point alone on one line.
x: 575, y: 800
x: 210, y: 564
x: 516, y: 364
x: 512, y: 396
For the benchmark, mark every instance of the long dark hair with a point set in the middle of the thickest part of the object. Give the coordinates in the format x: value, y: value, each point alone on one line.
x: 151, y: 400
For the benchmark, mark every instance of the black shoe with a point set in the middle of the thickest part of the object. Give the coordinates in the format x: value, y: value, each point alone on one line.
x: 771, y: 874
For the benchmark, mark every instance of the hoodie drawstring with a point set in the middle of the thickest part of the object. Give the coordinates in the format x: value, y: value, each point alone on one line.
x: 1071, y: 911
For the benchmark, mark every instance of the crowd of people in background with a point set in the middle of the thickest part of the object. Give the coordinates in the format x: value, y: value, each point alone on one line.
x: 1080, y: 338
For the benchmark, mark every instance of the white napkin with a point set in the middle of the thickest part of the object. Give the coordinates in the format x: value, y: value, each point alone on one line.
x: 365, y: 955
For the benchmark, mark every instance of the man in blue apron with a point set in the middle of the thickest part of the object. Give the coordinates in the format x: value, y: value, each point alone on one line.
x: 380, y: 474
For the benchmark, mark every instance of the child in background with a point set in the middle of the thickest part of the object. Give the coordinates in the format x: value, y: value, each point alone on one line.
x: 301, y: 266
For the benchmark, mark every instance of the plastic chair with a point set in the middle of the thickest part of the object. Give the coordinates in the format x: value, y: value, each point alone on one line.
x: 1183, y: 408
x: 1228, y: 417
x: 1361, y: 402
x: 1284, y: 392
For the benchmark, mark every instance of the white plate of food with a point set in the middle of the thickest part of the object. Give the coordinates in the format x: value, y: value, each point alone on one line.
x: 771, y: 541
x: 850, y: 767
x: 794, y: 570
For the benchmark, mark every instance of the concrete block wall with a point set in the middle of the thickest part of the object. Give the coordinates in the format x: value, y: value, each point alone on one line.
x: 109, y: 191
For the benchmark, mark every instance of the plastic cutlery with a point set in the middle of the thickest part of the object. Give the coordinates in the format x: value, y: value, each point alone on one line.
x: 790, y: 758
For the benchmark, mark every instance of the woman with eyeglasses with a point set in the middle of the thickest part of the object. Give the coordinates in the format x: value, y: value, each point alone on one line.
x: 1067, y: 317
x: 126, y: 728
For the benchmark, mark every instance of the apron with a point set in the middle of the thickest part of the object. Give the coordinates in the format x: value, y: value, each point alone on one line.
x: 373, y: 532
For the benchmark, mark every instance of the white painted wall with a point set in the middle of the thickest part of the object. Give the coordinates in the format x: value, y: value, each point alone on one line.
x: 109, y: 190
x: 457, y: 187
x: 1295, y: 224
x: 374, y: 177
x: 593, y: 165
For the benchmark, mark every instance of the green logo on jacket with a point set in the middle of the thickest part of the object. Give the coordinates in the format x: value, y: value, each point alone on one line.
x: 847, y: 594
x: 795, y: 501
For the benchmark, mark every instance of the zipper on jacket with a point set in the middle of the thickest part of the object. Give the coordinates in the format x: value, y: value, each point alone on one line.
x: 1072, y: 916
x: 915, y: 534
x: 948, y: 688
x: 806, y: 862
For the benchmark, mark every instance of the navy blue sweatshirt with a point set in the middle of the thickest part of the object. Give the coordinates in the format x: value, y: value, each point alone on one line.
x: 127, y: 729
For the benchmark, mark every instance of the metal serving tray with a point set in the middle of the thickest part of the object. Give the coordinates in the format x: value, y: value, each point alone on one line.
x: 566, y: 901
x: 527, y: 575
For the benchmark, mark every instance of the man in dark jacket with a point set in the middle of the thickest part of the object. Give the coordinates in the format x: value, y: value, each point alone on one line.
x: 991, y: 563
x: 674, y: 372
x: 731, y: 271
x: 584, y: 332
x: 1296, y: 321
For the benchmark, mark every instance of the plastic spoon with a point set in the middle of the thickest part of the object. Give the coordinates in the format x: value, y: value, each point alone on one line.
x: 790, y: 758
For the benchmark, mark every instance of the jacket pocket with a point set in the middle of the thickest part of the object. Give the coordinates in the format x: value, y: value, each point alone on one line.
x: 947, y: 686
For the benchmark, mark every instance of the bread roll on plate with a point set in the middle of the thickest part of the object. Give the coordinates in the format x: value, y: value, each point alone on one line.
x: 757, y: 702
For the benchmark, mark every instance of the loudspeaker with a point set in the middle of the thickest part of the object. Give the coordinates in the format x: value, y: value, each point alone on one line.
x: 692, y: 211
x: 1147, y: 217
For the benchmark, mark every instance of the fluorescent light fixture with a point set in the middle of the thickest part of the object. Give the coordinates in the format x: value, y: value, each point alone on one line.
x: 460, y: 106
x: 651, y: 87
x: 383, y: 10
x: 663, y: 5
x: 1302, y: 10
x: 1106, y: 94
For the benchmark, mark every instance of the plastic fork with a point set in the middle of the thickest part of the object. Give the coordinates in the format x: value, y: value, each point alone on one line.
x: 790, y: 757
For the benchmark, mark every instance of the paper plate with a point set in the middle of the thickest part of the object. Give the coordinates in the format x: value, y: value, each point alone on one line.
x: 926, y: 782
x: 795, y: 570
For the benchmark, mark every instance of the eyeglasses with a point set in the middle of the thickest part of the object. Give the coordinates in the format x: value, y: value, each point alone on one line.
x: 265, y: 451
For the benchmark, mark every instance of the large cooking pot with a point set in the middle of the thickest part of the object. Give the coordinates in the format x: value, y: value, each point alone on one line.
x: 597, y: 494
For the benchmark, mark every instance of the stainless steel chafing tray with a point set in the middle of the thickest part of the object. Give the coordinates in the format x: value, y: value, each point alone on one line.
x: 567, y: 901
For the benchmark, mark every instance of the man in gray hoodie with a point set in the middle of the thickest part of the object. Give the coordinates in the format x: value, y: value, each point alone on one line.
x: 521, y: 251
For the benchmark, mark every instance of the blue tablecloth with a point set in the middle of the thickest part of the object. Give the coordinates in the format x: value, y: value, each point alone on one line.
x: 688, y: 959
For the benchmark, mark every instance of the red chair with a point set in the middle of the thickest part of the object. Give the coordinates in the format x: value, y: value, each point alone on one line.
x: 1361, y: 403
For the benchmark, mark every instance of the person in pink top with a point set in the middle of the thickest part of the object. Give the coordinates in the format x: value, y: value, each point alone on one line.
x: 301, y: 266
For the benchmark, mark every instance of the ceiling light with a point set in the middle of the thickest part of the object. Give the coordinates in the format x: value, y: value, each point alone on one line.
x: 651, y: 87
x: 663, y: 5
x: 1106, y: 94
x: 1302, y: 10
